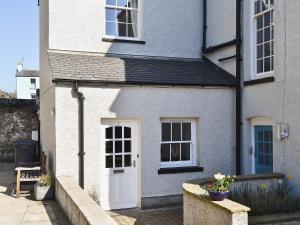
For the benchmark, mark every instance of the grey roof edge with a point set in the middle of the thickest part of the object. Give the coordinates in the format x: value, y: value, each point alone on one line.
x: 129, y: 56
x: 173, y: 84
x: 28, y: 73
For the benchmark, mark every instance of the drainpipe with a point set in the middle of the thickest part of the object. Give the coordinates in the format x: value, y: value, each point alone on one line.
x: 238, y: 88
x: 204, y: 25
x: 81, y: 153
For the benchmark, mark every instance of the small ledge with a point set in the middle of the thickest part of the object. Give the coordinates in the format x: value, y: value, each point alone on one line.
x: 188, y: 169
x: 259, y: 81
x: 123, y: 41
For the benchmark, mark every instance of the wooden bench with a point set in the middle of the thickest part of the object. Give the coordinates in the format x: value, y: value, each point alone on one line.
x: 26, y: 174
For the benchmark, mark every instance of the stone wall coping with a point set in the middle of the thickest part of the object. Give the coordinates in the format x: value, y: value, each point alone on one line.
x: 193, y: 187
x: 202, y: 195
x: 90, y: 210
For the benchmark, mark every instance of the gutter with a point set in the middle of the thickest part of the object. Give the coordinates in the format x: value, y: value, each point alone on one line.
x: 81, y: 153
x: 238, y: 89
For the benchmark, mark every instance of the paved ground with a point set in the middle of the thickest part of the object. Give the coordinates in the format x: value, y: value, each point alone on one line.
x: 171, y: 216
x: 23, y: 210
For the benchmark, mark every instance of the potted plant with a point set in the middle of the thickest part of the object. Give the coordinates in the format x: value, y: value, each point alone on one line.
x: 218, y: 190
x: 44, y: 190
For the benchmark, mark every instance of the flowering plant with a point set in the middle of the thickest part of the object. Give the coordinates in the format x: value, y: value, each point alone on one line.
x: 45, y: 180
x: 221, y: 183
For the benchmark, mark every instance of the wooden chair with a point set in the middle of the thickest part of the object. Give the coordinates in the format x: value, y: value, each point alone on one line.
x: 29, y: 173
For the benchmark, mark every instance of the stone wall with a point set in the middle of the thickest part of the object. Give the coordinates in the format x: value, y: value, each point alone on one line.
x: 18, y: 119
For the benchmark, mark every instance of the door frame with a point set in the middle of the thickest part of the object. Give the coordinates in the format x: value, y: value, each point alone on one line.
x: 119, y: 121
x: 258, y: 121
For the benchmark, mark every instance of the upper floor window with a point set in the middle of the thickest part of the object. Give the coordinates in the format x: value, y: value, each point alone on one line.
x: 263, y: 37
x: 33, y: 83
x: 177, y: 143
x: 121, y: 18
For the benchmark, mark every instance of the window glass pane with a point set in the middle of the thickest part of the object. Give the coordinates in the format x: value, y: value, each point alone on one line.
x: 259, y: 23
x: 118, y: 146
x: 267, y: 49
x: 267, y: 148
x: 109, y: 161
x: 267, y: 64
x: 109, y: 147
x: 109, y: 133
x: 264, y: 5
x: 132, y: 16
x: 122, y: 3
x: 110, y: 15
x: 110, y: 29
x: 259, y: 51
x: 121, y: 16
x: 133, y: 4
x: 166, y: 132
x: 176, y: 131
x: 118, y: 160
x: 267, y: 19
x: 127, y: 147
x: 165, y: 152
x: 132, y: 30
x: 260, y: 158
x: 175, y: 152
x: 127, y: 161
x: 272, y: 63
x: 185, y: 151
x: 257, y: 7
x: 118, y: 132
x: 122, y: 29
x: 267, y: 34
x: 111, y: 2
x: 267, y: 136
x: 259, y: 66
x: 186, y: 131
x: 127, y: 132
x: 272, y: 32
x: 259, y: 37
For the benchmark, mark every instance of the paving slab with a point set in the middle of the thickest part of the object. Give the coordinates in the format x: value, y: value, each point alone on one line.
x: 24, y: 210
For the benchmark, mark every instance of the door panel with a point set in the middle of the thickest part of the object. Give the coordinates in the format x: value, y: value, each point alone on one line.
x: 119, y: 176
x: 263, y: 149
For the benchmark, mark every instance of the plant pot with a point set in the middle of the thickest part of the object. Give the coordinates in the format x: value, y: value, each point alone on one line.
x: 42, y: 193
x: 218, y: 196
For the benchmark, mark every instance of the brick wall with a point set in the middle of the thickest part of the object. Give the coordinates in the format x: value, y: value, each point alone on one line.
x: 18, y: 119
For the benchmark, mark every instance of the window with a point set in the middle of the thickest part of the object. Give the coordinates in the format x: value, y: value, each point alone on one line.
x: 118, y: 147
x: 33, y: 96
x: 33, y: 83
x: 177, y: 143
x: 121, y: 18
x: 263, y: 37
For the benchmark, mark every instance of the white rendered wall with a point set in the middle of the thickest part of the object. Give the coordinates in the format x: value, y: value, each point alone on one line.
x: 24, y: 89
x: 215, y: 135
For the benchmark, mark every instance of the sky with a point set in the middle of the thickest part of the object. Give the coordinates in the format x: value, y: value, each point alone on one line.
x: 19, y: 37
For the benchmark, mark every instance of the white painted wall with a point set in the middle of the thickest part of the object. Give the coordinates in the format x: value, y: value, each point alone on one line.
x: 213, y: 108
x: 170, y: 28
x: 24, y: 89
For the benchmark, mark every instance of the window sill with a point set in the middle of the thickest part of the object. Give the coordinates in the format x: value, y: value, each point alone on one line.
x: 259, y: 81
x: 123, y: 40
x: 188, y: 169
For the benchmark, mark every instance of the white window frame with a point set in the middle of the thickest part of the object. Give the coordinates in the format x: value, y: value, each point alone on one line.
x: 139, y: 22
x: 254, y: 74
x: 193, y: 156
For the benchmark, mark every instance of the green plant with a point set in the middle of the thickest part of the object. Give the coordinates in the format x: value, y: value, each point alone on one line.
x: 221, y: 183
x: 45, y: 180
x: 266, y: 199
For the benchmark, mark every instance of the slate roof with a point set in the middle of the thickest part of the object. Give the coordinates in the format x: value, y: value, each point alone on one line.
x: 104, y: 69
x: 17, y: 102
x: 28, y: 73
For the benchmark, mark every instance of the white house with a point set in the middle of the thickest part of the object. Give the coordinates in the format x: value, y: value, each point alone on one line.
x: 128, y: 105
x: 28, y: 81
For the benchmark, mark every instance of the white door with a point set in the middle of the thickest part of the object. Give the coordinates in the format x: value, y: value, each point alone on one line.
x: 119, y: 176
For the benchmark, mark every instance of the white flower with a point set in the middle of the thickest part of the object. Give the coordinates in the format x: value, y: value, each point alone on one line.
x: 219, y: 176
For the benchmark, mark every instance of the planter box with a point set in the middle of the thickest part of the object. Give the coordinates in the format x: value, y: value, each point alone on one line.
x: 42, y: 193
